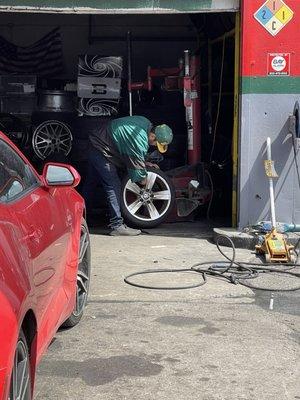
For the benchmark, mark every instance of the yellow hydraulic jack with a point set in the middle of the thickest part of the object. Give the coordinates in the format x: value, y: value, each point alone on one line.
x: 276, y: 249
x: 274, y: 246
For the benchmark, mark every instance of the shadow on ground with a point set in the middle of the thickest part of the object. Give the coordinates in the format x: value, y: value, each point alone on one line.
x: 193, y: 229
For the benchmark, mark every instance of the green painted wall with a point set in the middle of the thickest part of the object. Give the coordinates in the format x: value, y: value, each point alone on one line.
x: 103, y: 4
x: 113, y: 4
x: 125, y: 5
x: 270, y: 85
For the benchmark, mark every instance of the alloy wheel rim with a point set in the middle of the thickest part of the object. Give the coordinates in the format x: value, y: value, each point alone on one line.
x: 149, y: 203
x: 20, y: 383
x: 83, y: 273
x: 51, y: 137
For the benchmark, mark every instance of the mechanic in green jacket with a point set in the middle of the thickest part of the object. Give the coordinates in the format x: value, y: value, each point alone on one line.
x: 122, y: 143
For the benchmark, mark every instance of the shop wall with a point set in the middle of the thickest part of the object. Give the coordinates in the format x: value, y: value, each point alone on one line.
x: 24, y: 29
x: 267, y: 101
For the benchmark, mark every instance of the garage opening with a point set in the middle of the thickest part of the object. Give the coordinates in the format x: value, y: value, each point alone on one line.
x: 182, y: 72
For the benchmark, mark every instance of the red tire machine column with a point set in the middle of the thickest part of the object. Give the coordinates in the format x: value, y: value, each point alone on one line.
x: 191, y: 90
x: 189, y: 180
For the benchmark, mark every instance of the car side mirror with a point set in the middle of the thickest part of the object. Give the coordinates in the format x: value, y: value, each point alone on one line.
x: 56, y: 174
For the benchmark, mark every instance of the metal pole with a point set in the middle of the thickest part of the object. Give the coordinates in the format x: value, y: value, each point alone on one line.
x: 129, y: 71
x: 188, y: 104
x: 194, y: 153
x: 209, y: 55
x: 271, y: 187
x: 235, y: 135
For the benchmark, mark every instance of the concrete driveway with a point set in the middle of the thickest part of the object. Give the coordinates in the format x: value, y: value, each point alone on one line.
x: 217, y: 342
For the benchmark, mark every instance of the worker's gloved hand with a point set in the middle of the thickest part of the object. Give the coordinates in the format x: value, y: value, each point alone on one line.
x: 151, y: 165
x: 142, y: 183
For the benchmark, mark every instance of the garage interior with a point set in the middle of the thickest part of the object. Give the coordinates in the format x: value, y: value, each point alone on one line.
x: 158, y: 41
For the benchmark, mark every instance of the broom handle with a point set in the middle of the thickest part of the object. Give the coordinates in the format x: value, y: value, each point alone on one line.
x: 271, y: 187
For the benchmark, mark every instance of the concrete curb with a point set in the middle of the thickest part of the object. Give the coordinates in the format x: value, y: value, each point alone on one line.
x: 244, y: 240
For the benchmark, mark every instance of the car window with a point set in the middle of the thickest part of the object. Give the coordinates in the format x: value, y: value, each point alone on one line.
x: 16, y: 176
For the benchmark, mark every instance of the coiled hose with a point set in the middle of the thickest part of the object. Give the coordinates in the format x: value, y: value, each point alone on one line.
x: 236, y: 272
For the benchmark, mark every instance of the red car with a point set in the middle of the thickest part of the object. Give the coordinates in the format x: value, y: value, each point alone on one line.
x: 44, y: 263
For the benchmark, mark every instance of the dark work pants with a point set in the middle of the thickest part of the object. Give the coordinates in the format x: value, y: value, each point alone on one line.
x: 100, y: 170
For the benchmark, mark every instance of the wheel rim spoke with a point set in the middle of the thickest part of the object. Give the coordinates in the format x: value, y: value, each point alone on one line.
x: 61, y: 146
x: 77, y: 302
x: 20, y: 374
x: 43, y: 145
x: 133, y: 187
x: 162, y: 195
x: 84, y: 243
x: 65, y: 141
x: 42, y: 139
x: 82, y: 274
x: 25, y: 387
x: 24, y: 379
x: 53, y: 129
x: 48, y: 131
x: 82, y: 291
x: 59, y: 131
x: 135, y: 206
x: 154, y: 214
x: 82, y: 281
x: 151, y: 178
x: 15, y: 377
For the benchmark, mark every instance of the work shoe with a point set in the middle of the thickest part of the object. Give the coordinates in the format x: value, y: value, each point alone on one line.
x: 124, y: 230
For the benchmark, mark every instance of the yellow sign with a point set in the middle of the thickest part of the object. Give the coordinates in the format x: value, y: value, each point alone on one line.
x: 270, y: 169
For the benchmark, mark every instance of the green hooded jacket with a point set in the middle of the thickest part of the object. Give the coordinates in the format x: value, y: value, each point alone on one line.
x: 124, y: 141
